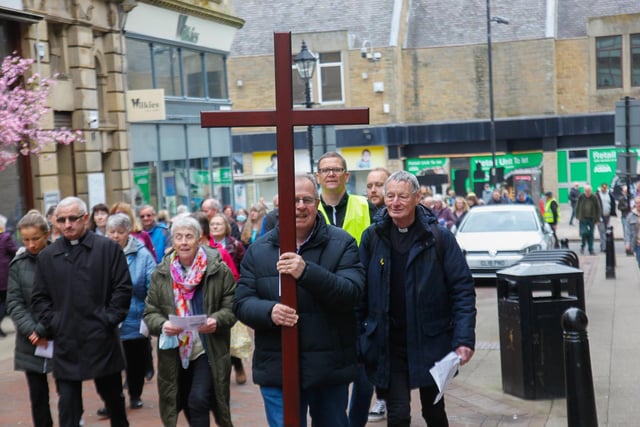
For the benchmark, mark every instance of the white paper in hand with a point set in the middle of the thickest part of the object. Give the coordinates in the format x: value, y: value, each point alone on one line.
x: 443, y: 371
x: 45, y: 351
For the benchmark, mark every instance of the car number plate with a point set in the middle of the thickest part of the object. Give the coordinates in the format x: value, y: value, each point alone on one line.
x: 492, y: 263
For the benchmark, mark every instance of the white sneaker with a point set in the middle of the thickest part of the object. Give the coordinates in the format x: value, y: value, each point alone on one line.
x: 378, y: 412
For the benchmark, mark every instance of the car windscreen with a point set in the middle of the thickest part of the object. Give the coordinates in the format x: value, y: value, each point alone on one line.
x: 499, y: 221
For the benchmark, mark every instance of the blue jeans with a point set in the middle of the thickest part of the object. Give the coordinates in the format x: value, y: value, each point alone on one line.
x: 327, y: 406
x: 361, y: 393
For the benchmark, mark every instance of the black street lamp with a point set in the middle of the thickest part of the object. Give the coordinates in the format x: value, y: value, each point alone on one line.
x: 492, y: 124
x: 306, y: 64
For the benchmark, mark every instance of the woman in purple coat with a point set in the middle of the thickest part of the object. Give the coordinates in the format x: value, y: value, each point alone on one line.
x: 7, y: 252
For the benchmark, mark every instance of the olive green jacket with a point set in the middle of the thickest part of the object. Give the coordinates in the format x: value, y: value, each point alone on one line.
x: 218, y: 290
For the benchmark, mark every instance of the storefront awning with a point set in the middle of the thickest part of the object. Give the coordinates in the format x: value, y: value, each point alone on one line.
x: 19, y: 15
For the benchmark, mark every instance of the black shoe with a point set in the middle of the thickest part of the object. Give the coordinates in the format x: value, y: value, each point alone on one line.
x: 103, y: 412
x: 149, y: 375
x: 135, y: 403
x: 2, y: 333
x: 592, y: 253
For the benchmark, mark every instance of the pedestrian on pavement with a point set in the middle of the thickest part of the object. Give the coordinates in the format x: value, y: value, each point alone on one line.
x: 30, y: 334
x: 136, y: 228
x: 487, y: 193
x: 442, y: 212
x: 212, y: 206
x: 136, y: 345
x: 588, y: 213
x: 159, y: 233
x: 625, y: 209
x: 193, y: 365
x: 98, y: 218
x: 633, y: 220
x: 419, y: 302
x: 8, y: 249
x: 352, y: 213
x: 329, y: 279
x: 82, y: 292
x: 375, y: 194
x: 552, y: 215
x: 574, y: 193
x: 608, y: 206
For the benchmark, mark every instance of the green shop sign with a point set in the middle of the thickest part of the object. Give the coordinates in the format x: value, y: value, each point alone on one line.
x: 510, y: 162
x: 416, y: 165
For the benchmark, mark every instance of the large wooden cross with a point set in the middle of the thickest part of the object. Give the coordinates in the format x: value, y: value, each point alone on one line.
x: 284, y: 118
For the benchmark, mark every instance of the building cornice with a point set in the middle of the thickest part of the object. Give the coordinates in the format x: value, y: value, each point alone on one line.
x: 198, y: 10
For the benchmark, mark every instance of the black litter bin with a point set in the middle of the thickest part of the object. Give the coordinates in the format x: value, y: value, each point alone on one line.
x: 531, y: 300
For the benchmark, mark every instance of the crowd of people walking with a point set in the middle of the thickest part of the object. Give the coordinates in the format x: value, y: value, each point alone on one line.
x: 90, y: 291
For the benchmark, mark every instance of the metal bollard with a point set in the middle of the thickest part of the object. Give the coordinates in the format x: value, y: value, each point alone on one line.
x: 581, y: 402
x: 610, y: 272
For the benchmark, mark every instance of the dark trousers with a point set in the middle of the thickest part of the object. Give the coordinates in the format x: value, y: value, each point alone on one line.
x: 137, y: 353
x: 39, y: 396
x: 236, y: 362
x: 3, y: 304
x: 586, y: 233
x: 195, y: 390
x: 70, y: 400
x: 361, y: 392
x: 399, y: 395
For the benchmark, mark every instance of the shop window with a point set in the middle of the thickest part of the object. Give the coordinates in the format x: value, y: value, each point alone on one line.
x: 216, y: 76
x: 166, y: 66
x: 138, y: 65
x: 635, y: 59
x: 609, y: 62
x: 192, y: 65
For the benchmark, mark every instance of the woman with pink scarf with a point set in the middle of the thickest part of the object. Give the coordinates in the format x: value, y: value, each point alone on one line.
x: 193, y: 364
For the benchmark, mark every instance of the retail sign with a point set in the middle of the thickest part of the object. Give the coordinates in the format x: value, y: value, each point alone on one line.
x: 418, y: 166
x: 222, y: 175
x: 145, y: 105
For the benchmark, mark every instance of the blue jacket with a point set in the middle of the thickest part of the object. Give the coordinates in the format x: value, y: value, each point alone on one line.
x: 328, y: 291
x: 440, y: 300
x: 161, y: 239
x: 141, y: 265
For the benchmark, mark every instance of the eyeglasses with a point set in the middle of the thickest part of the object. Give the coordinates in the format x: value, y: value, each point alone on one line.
x: 146, y: 216
x: 70, y: 218
x: 327, y: 171
x: 308, y: 201
x: 402, y: 197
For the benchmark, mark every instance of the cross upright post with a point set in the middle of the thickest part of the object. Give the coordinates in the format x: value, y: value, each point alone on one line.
x: 284, y: 118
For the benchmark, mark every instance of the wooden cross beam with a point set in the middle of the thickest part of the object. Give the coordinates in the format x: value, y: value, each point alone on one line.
x: 284, y: 118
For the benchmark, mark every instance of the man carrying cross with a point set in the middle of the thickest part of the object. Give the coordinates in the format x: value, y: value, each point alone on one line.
x: 330, y: 279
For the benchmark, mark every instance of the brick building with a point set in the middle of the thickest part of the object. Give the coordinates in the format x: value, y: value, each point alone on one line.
x: 422, y: 68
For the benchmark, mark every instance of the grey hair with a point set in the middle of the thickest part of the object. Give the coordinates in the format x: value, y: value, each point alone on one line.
x: 333, y: 155
x: 144, y: 207
x: 118, y: 220
x: 72, y: 200
x: 310, y: 178
x: 186, y: 221
x: 404, y: 176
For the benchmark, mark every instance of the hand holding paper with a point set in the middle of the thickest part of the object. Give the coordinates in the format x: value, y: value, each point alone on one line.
x: 188, y: 322
x: 443, y: 372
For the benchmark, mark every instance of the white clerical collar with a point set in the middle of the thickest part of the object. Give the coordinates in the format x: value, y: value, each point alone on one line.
x: 74, y: 242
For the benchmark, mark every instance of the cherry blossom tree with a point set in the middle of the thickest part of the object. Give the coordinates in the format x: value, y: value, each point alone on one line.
x: 22, y: 106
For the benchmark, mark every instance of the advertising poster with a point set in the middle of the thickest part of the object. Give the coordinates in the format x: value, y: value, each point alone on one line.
x: 266, y: 162
x: 363, y: 158
x: 141, y: 182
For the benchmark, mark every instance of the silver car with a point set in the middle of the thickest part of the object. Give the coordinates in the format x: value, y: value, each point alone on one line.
x: 494, y: 237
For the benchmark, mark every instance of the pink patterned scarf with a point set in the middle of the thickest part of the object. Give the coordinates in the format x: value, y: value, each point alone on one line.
x: 184, y: 287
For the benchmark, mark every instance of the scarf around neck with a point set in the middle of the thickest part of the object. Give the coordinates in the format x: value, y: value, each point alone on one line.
x: 184, y: 287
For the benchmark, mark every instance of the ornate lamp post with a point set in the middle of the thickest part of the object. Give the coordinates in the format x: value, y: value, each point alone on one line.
x: 492, y: 125
x: 306, y: 64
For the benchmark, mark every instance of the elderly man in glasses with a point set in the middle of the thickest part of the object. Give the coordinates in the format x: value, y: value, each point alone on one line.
x: 82, y: 291
x: 330, y: 279
x: 160, y: 235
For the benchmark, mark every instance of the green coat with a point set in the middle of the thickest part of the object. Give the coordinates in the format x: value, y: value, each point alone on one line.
x: 218, y: 290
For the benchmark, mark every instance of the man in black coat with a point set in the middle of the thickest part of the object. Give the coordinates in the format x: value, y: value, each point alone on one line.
x: 82, y: 292
x: 330, y: 279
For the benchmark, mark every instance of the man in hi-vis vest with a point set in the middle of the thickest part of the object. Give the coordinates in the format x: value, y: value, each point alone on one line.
x: 353, y: 214
x: 350, y: 212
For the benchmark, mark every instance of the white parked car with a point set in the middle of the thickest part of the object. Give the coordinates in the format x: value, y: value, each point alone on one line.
x: 494, y: 237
